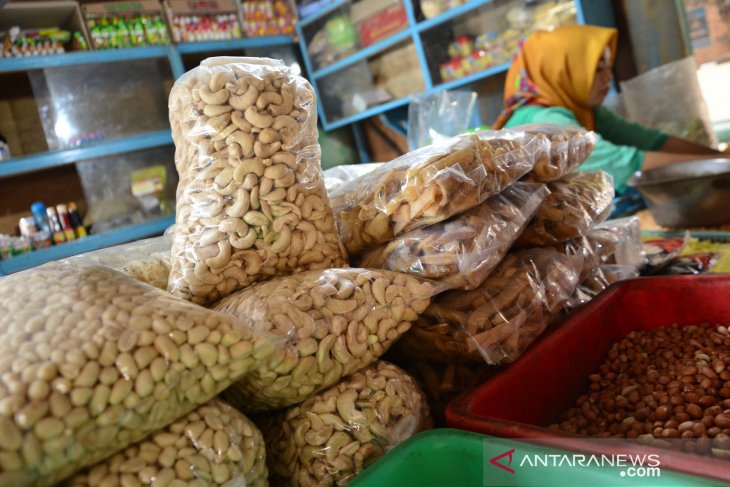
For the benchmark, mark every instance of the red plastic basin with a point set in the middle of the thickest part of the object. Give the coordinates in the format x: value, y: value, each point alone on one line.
x: 523, y: 399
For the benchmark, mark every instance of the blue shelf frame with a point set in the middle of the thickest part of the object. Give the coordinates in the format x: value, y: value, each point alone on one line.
x: 587, y: 11
x: 118, y: 236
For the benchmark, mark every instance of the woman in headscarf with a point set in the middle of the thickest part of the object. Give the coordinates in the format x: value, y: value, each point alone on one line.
x: 562, y: 77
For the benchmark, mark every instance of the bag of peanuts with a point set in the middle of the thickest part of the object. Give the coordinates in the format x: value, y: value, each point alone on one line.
x: 498, y: 320
x: 146, y: 260
x: 569, y: 148
x: 335, y: 322
x: 576, y: 202
x: 213, y: 445
x: 462, y: 251
x: 431, y: 184
x: 333, y: 436
x: 92, y: 361
x: 251, y: 202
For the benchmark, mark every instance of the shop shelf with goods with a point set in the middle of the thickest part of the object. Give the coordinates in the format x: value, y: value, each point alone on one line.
x: 79, y: 124
x: 444, y: 44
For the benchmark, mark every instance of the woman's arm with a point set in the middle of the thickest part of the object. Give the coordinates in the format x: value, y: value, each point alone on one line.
x: 657, y: 159
x: 675, y: 145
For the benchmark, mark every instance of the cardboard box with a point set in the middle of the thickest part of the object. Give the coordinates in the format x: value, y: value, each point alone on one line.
x: 382, y: 23
x: 64, y: 14
x: 201, y: 7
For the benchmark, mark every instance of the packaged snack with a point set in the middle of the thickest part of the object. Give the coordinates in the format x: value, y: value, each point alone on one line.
x: 597, y: 281
x: 569, y: 148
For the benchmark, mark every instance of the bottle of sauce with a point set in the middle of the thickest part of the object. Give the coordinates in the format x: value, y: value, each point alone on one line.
x: 56, y: 228
x: 76, y: 220
x: 65, y: 219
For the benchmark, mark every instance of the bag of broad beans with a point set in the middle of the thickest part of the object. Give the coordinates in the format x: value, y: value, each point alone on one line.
x: 251, y: 201
x: 92, y: 361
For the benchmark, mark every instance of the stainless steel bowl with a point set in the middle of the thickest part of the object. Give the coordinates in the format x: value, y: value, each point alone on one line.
x: 692, y: 194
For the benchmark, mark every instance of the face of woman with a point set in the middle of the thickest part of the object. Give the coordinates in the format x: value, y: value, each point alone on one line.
x: 602, y: 80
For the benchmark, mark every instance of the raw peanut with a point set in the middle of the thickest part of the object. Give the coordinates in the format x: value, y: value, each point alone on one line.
x: 175, y: 455
x: 329, y: 438
x: 336, y: 326
x: 240, y: 151
x: 78, y: 404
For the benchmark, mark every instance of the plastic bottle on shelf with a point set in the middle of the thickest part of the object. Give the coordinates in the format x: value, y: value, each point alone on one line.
x: 56, y: 228
x: 65, y: 219
x: 76, y: 221
x: 40, y: 216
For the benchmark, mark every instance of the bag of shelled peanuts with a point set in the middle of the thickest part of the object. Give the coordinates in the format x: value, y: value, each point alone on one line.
x: 461, y: 252
x: 251, y: 202
x: 333, y: 436
x: 92, y: 361
x: 213, y: 445
x: 432, y: 184
x: 497, y: 321
x: 335, y: 322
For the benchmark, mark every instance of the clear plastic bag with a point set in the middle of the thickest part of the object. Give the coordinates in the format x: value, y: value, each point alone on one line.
x: 335, y: 177
x: 569, y: 148
x: 497, y: 321
x: 251, y: 202
x: 575, y: 204
x: 431, y: 184
x: 597, y: 281
x: 462, y: 251
x: 213, y: 445
x: 146, y: 260
x: 335, y: 322
x: 333, y: 436
x: 433, y: 117
x: 92, y: 361
x: 620, y: 242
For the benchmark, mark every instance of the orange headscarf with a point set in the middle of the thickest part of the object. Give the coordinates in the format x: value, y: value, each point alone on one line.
x: 557, y: 68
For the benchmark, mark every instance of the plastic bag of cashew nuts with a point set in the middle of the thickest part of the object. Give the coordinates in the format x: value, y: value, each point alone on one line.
x: 497, y: 321
x: 251, y: 201
x: 575, y: 204
x: 569, y: 148
x: 335, y: 322
x: 431, y: 184
x: 462, y: 251
x: 146, y: 260
x: 333, y: 436
x: 213, y: 445
x: 92, y: 360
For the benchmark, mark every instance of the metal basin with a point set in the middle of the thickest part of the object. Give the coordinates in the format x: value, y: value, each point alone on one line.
x: 692, y: 194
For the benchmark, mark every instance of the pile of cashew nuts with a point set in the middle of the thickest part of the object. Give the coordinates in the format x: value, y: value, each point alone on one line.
x: 92, y: 361
x: 213, y: 445
x: 251, y: 202
x: 333, y: 436
x: 336, y: 322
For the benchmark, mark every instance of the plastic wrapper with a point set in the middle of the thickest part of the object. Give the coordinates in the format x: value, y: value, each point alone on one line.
x: 145, y: 260
x: 597, y: 281
x: 462, y: 251
x: 497, y: 321
x: 576, y: 202
x: 335, y: 322
x: 92, y: 361
x: 569, y: 148
x: 431, y: 184
x: 619, y: 242
x: 335, y: 435
x: 213, y: 445
x: 433, y: 117
x: 251, y: 202
x: 337, y: 176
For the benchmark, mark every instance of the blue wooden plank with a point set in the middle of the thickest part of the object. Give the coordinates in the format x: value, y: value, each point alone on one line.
x: 87, y: 244
x: 451, y: 14
x: 363, y: 54
x: 323, y: 12
x: 369, y: 113
x: 235, y: 44
x: 45, y: 160
x: 471, y: 78
x: 82, y: 57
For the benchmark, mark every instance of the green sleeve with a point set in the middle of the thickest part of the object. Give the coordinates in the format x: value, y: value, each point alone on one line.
x: 622, y: 132
x: 620, y: 161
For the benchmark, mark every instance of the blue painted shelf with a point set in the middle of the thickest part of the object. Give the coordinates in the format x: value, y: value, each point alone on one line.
x: 234, y: 44
x: 92, y: 242
x: 82, y: 57
x: 45, y: 160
